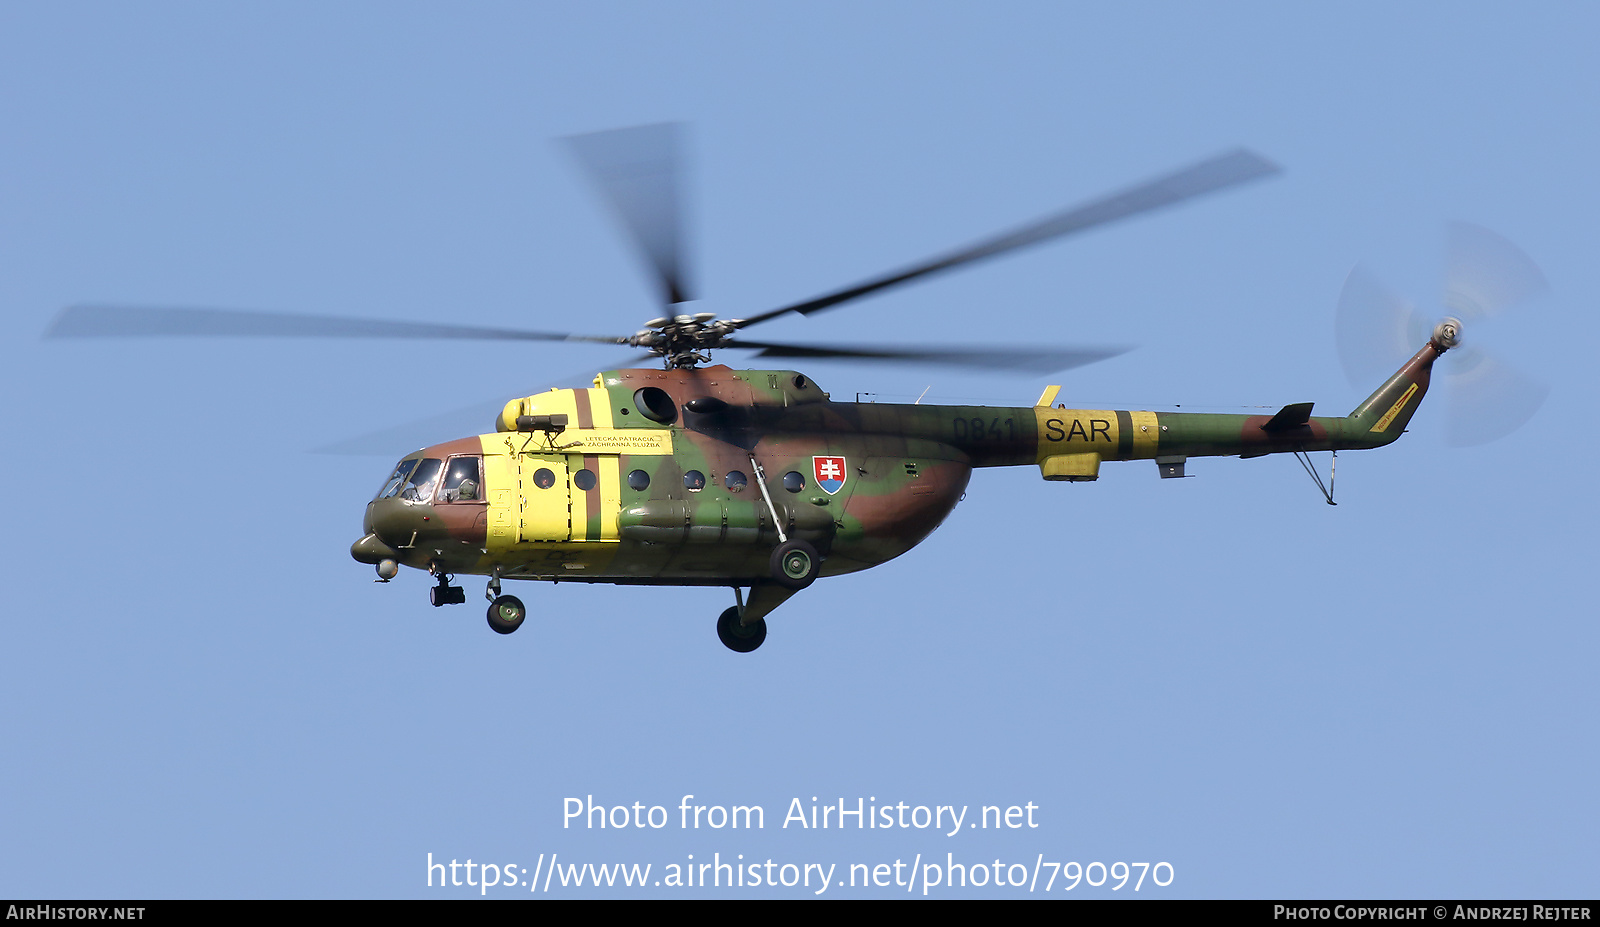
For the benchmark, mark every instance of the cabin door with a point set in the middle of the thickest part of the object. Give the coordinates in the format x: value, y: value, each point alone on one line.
x: 544, y: 498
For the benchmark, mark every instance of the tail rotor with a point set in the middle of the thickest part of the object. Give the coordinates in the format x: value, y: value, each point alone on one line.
x: 1485, y: 277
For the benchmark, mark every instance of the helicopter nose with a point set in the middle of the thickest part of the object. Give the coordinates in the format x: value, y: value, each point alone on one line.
x: 393, y: 524
x: 372, y: 549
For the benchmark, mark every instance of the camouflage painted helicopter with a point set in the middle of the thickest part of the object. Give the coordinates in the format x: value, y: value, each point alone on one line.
x: 702, y: 475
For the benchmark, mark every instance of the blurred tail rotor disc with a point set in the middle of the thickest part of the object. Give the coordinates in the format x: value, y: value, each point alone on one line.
x: 1485, y: 276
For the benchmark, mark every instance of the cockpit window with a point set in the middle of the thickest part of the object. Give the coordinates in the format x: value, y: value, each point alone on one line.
x: 419, y: 486
x: 396, y: 479
x: 462, y: 482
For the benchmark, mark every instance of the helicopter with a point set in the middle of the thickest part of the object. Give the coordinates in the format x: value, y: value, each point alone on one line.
x: 698, y: 474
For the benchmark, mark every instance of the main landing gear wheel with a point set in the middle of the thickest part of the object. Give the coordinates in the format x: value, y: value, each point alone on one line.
x: 506, y: 613
x: 740, y: 638
x: 795, y: 564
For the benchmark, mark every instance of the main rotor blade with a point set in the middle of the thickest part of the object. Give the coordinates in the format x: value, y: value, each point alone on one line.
x: 136, y: 322
x: 398, y: 440
x: 1218, y: 173
x: 1485, y: 274
x: 639, y: 173
x: 478, y: 418
x: 989, y: 357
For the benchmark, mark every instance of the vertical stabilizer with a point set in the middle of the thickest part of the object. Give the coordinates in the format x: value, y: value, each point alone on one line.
x: 1383, y: 416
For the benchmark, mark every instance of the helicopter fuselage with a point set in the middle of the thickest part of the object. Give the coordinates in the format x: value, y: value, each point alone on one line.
x: 692, y: 476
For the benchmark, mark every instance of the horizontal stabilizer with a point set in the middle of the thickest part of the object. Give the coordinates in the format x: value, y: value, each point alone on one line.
x: 1292, y: 416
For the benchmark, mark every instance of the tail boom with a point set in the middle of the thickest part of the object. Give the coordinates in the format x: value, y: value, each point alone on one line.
x: 1070, y: 444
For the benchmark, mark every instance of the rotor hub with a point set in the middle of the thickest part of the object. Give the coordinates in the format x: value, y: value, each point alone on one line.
x: 685, y: 340
x: 1447, y: 334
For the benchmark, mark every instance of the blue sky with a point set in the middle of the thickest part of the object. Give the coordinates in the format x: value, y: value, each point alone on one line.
x: 205, y: 697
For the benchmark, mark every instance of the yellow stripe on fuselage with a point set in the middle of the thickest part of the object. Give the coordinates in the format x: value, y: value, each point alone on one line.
x: 500, y: 484
x: 1076, y: 431
x: 1146, y: 434
x: 610, y: 490
x: 1098, y: 431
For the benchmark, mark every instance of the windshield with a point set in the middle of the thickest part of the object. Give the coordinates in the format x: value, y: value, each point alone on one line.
x: 419, y: 486
x: 396, y: 479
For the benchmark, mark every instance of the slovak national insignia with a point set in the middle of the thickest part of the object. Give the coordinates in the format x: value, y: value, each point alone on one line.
x: 829, y: 473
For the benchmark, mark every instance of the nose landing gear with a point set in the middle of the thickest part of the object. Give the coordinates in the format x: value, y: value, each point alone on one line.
x: 505, y: 611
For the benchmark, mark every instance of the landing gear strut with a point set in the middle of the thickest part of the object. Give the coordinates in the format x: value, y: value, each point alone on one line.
x: 505, y: 611
x: 743, y: 627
